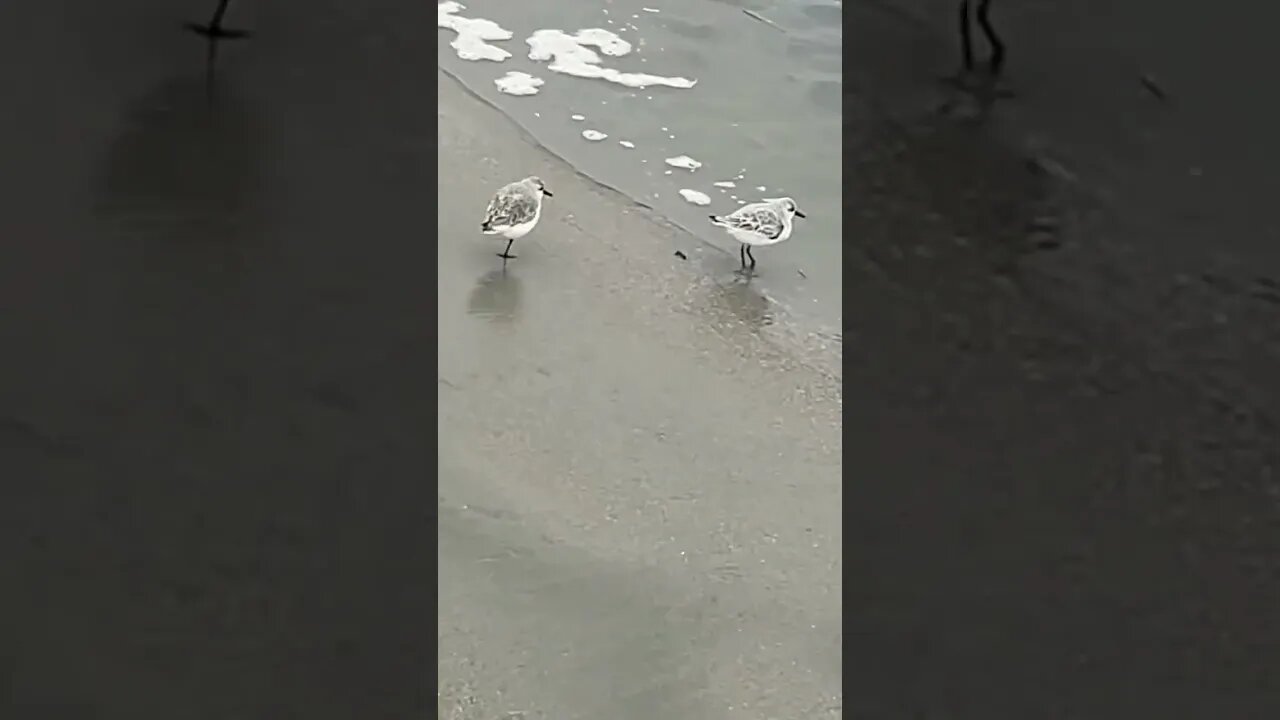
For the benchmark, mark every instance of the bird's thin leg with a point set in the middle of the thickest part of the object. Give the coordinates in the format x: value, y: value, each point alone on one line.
x: 966, y: 41
x: 753, y: 257
x: 997, y: 47
x: 506, y: 254
x: 216, y: 21
x: 960, y: 77
x: 742, y: 254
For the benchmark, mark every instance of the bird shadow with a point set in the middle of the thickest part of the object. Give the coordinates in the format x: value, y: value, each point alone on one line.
x: 496, y: 296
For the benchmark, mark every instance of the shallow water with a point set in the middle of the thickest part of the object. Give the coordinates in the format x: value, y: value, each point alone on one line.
x: 763, y: 113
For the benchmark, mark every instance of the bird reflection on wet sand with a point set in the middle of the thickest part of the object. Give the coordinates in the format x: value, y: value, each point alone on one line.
x: 738, y: 302
x: 181, y: 209
x: 214, y: 32
x: 179, y: 187
x: 496, y: 296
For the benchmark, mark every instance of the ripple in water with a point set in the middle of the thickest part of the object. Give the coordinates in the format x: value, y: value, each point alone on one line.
x: 818, y: 56
x: 824, y: 15
x: 692, y: 31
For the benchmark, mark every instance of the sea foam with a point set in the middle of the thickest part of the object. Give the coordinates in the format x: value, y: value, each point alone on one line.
x: 518, y: 83
x: 683, y: 162
x: 474, y: 34
x: 570, y: 55
x: 696, y: 197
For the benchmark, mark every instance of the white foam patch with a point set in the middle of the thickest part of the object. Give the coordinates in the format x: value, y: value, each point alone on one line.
x: 474, y: 34
x: 762, y: 188
x: 518, y: 83
x: 577, y: 118
x: 626, y: 144
x: 652, y: 10
x: 594, y: 135
x: 683, y: 162
x: 695, y: 197
x: 570, y: 55
x: 725, y: 184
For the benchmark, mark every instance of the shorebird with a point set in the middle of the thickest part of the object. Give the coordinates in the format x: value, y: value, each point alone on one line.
x: 514, y: 211
x: 763, y: 223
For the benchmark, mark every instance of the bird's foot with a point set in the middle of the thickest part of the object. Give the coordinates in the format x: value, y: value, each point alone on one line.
x: 985, y: 81
x: 993, y: 88
x: 975, y: 93
x: 506, y: 256
x: 217, y: 31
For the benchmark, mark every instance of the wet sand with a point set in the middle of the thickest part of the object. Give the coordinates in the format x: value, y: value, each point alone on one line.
x: 215, y: 442
x: 1061, y: 341
x: 765, y: 113
x: 1061, y: 497
x: 639, y: 485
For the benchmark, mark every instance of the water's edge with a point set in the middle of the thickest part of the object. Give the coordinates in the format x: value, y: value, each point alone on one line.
x: 802, y: 324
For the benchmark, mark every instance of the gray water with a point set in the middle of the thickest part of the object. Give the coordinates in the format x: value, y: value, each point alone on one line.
x: 764, y: 112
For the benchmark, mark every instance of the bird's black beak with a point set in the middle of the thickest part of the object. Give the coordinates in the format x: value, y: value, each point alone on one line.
x: 799, y: 214
x: 547, y: 192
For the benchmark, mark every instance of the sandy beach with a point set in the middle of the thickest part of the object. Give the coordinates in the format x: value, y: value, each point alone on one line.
x: 214, y: 414
x: 1060, y: 337
x: 1058, y: 396
x: 639, y: 488
x: 1060, y: 431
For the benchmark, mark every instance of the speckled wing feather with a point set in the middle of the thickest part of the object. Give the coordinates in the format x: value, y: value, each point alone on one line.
x: 761, y: 220
x: 510, y: 206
